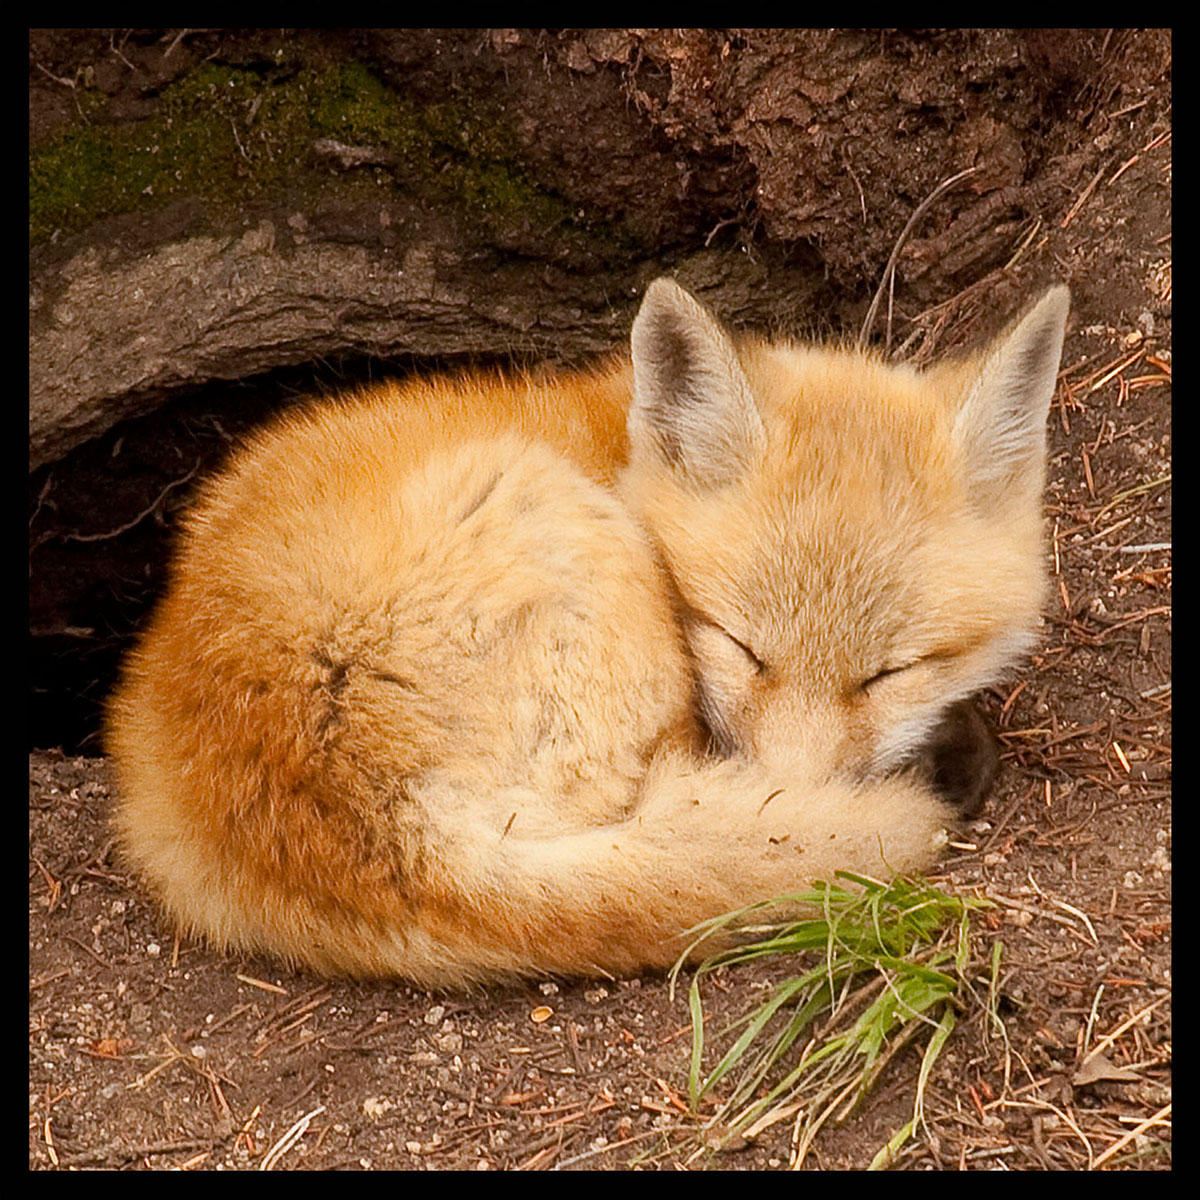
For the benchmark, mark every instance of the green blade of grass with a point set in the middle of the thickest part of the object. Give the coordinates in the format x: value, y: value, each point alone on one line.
x: 887, y: 1154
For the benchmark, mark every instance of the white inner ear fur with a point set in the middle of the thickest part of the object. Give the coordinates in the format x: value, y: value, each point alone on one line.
x: 1002, y: 423
x: 692, y: 404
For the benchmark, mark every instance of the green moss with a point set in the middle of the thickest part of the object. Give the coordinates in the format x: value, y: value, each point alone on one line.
x: 229, y: 136
x: 102, y: 169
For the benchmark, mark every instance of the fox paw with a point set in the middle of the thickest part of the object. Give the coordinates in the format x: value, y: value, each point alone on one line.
x: 961, y: 760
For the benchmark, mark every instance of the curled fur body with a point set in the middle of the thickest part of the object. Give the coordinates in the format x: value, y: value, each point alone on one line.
x: 487, y: 675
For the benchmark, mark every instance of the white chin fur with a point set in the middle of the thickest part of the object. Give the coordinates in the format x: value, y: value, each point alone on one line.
x: 903, y: 741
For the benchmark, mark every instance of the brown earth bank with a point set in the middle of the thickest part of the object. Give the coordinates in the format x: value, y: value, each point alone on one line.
x: 504, y: 196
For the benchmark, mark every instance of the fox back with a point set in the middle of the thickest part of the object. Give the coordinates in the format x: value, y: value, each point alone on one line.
x: 487, y: 676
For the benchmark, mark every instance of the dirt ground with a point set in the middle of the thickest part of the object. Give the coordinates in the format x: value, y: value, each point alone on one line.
x: 148, y: 1052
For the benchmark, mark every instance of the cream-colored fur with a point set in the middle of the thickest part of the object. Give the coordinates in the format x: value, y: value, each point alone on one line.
x: 484, y: 676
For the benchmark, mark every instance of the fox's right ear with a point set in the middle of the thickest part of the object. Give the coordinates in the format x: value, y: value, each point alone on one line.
x: 692, y: 404
x: 1001, y: 425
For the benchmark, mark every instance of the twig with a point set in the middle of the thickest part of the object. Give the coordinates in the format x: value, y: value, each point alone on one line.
x: 1109, y: 1038
x: 175, y: 42
x: 1067, y: 1119
x: 57, y: 78
x: 117, y: 50
x: 1012, y: 262
x: 84, y: 946
x: 115, y: 1154
x: 1158, y: 141
x: 261, y: 983
x: 862, y: 200
x: 112, y: 533
x: 34, y: 984
x: 289, y: 1139
x: 889, y: 270
x: 1116, y: 370
x: 1128, y: 109
x: 1083, y: 197
x: 712, y: 233
x: 241, y: 148
x: 637, y: 1137
x: 1121, y: 1143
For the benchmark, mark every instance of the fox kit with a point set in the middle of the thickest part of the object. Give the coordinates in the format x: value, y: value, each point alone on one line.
x: 469, y: 678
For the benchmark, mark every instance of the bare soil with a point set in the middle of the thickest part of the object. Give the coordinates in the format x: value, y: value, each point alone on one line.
x: 150, y: 1052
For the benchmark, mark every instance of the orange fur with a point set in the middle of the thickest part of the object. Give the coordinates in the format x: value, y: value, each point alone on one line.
x: 429, y: 689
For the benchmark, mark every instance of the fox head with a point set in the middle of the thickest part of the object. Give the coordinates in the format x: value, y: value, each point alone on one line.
x: 855, y: 545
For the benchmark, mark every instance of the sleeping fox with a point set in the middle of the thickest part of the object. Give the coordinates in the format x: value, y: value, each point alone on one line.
x: 475, y: 677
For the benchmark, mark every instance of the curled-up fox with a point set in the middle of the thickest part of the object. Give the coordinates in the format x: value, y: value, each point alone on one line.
x: 487, y: 676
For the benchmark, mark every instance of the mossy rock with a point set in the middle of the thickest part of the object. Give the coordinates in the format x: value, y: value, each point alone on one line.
x: 234, y: 136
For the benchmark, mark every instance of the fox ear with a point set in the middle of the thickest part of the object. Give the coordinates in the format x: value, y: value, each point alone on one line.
x: 1001, y: 425
x: 692, y: 404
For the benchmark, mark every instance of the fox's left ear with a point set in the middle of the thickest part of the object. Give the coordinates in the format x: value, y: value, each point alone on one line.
x: 1001, y: 424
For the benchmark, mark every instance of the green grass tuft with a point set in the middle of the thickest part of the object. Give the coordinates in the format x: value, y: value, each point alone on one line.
x: 882, y: 963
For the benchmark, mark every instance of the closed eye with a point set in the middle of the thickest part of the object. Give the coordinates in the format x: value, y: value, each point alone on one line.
x: 758, y: 662
x: 707, y: 620
x: 867, y: 683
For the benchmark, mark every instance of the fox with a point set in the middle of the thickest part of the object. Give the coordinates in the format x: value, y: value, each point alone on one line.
x: 475, y: 677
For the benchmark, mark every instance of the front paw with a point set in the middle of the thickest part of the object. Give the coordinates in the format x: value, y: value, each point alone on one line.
x: 961, y: 759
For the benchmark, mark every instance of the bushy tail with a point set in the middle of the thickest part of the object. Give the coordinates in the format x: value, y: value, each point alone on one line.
x: 616, y: 899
